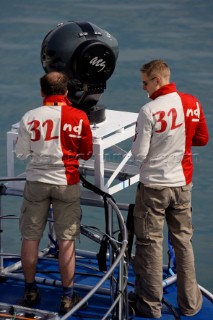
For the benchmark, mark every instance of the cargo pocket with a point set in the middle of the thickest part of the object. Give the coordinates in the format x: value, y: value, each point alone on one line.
x: 22, y: 217
x: 185, y: 196
x: 141, y: 227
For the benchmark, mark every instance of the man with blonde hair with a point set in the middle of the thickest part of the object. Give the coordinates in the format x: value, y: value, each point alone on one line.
x: 166, y: 129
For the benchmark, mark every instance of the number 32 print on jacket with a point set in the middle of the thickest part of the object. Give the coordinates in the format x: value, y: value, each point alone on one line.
x: 166, y: 129
x: 54, y: 136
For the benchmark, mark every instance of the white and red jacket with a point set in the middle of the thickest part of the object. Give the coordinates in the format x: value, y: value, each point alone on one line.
x: 166, y: 129
x: 54, y: 136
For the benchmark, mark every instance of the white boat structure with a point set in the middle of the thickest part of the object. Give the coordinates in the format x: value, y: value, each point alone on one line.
x: 104, y: 278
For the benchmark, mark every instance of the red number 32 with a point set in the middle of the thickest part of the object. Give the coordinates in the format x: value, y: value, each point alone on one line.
x: 35, y: 128
x: 161, y: 118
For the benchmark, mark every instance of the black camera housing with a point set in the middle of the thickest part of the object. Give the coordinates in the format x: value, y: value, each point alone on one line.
x: 87, y: 54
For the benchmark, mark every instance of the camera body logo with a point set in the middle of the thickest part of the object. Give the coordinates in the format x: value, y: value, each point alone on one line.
x: 96, y: 62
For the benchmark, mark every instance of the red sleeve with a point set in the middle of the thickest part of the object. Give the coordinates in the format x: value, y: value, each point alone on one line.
x: 85, y: 148
x: 201, y: 136
x: 196, y: 127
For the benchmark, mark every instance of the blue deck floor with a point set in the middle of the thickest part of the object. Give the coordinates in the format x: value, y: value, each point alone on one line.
x: 11, y: 292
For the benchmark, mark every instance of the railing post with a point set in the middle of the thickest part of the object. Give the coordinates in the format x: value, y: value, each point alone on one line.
x: 111, y: 253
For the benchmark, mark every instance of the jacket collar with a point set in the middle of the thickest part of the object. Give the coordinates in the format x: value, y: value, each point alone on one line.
x: 56, y: 100
x: 168, y: 88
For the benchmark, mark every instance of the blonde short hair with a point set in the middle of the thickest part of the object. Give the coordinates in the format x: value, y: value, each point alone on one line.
x: 156, y: 67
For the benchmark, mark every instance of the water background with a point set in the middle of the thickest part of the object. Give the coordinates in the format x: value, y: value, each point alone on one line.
x: 180, y: 32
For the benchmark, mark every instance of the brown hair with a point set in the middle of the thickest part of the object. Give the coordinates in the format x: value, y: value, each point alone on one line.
x: 156, y: 67
x: 54, y: 83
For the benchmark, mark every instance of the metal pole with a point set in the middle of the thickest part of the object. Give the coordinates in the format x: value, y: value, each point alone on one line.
x: 1, y: 231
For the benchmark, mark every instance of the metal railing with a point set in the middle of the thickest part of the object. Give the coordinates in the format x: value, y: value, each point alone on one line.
x: 116, y: 256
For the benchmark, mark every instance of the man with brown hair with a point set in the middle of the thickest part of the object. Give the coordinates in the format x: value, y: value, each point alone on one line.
x: 166, y: 129
x: 53, y: 136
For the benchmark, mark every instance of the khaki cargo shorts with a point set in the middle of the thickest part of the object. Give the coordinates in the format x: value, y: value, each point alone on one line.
x: 65, y: 213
